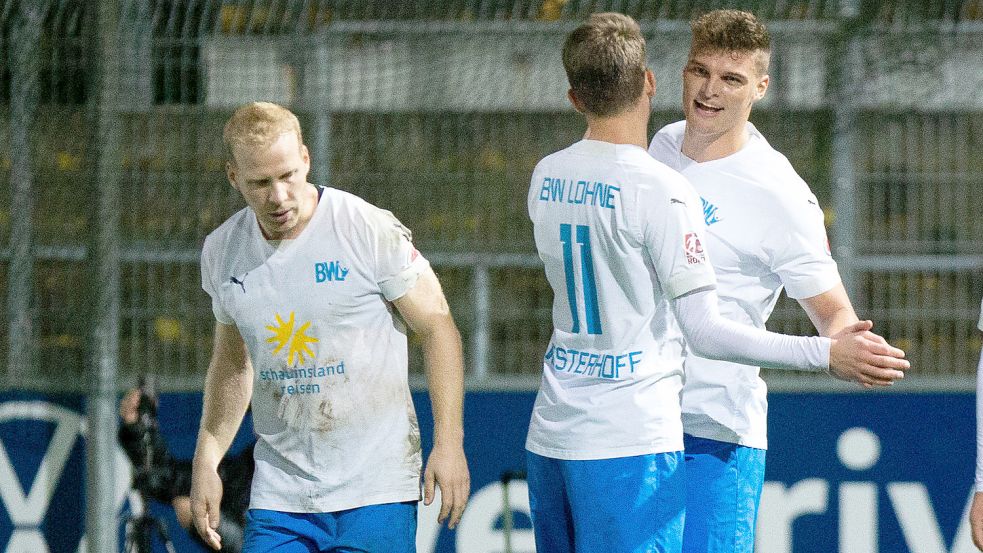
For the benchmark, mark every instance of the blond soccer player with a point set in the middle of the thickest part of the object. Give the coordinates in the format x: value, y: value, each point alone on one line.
x: 305, y: 284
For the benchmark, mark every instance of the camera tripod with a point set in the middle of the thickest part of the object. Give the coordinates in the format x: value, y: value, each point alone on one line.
x: 140, y: 528
x: 140, y: 531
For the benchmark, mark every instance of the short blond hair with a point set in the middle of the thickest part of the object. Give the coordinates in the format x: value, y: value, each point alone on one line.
x: 732, y: 31
x: 605, y: 63
x: 258, y: 124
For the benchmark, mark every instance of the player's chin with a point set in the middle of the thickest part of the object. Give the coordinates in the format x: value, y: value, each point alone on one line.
x: 283, y: 226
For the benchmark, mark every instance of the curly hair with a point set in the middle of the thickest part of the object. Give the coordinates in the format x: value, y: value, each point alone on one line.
x: 732, y: 31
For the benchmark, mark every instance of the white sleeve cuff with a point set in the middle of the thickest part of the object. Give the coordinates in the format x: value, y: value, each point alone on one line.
x: 395, y: 287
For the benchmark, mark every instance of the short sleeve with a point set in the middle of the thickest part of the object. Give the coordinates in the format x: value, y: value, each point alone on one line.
x: 672, y: 231
x: 211, y: 286
x: 397, y: 262
x: 798, y: 248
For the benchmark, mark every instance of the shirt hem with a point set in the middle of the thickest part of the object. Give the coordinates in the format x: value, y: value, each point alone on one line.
x: 611, y: 453
x: 331, y: 506
x: 688, y: 283
x: 799, y: 291
x: 746, y: 441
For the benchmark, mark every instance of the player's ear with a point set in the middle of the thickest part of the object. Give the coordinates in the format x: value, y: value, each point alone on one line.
x: 761, y: 87
x: 649, y: 83
x: 230, y: 173
x: 572, y: 96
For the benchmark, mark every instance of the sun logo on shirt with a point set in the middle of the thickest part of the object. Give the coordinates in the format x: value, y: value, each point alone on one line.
x: 295, y: 342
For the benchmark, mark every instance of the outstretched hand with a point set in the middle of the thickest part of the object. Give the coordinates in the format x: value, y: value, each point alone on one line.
x: 858, y: 355
x: 447, y: 468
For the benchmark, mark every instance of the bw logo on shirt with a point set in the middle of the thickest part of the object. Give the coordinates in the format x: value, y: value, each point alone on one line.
x: 330, y: 271
x: 693, y: 248
x: 710, y: 212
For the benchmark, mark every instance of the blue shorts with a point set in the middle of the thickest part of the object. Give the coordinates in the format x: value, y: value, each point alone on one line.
x: 723, y: 489
x: 621, y: 505
x: 386, y: 528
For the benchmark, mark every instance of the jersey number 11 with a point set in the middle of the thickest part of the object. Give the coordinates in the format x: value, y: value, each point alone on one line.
x: 587, y: 276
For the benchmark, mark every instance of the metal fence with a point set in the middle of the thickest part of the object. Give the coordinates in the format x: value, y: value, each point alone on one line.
x: 111, y: 169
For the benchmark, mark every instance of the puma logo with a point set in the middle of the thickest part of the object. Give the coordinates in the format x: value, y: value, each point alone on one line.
x: 241, y: 283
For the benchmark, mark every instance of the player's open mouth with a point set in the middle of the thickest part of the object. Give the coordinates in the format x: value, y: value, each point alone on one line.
x: 704, y: 108
x: 280, y: 216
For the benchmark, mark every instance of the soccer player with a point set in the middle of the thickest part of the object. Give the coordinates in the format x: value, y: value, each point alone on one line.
x: 976, y: 511
x: 304, y: 283
x: 764, y: 232
x: 620, y: 236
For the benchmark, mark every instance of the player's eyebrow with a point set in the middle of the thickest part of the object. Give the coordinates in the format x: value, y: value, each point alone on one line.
x: 738, y: 76
x: 267, y: 180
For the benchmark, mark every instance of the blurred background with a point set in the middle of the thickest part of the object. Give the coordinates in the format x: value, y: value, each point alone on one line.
x: 111, y: 168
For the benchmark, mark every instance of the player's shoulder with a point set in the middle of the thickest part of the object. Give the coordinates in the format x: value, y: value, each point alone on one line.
x: 762, y: 156
x: 237, y: 225
x: 583, y: 152
x: 630, y: 166
x: 667, y: 140
x: 549, y: 161
x: 771, y: 168
x: 653, y: 176
x: 350, y: 206
x: 360, y: 216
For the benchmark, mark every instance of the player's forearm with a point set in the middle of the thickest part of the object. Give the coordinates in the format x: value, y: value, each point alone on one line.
x: 712, y: 336
x: 226, y: 401
x: 228, y: 389
x: 444, y: 365
x: 830, y: 311
x: 836, y: 322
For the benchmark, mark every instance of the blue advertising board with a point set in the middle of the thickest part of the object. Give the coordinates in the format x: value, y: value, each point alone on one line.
x: 854, y: 473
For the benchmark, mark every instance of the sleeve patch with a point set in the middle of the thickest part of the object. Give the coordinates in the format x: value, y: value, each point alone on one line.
x: 694, y: 249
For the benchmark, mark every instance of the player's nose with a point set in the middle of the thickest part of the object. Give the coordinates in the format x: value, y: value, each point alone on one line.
x: 279, y: 192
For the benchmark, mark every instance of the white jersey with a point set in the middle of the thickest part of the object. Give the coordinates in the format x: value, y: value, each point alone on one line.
x: 619, y: 235
x: 979, y: 413
x: 332, y: 411
x: 764, y: 232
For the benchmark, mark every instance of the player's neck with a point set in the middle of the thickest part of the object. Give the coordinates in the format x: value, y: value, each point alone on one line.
x: 708, y: 146
x: 629, y: 127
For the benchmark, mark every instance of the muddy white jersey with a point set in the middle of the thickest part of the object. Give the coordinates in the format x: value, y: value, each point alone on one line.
x: 619, y: 235
x: 764, y: 232
x: 331, y: 406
